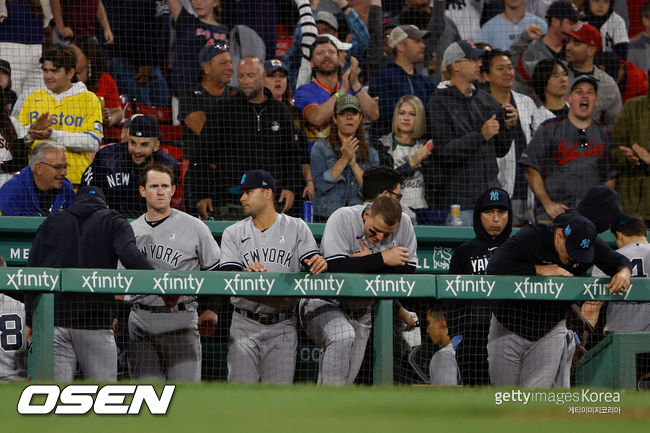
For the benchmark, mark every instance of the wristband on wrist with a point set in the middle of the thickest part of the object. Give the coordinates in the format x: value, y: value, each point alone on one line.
x: 338, y: 94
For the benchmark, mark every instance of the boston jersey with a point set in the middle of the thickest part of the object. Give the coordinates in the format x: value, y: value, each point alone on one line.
x: 281, y: 248
x: 75, y: 111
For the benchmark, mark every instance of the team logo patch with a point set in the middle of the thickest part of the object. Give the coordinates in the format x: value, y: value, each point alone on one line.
x: 567, y: 230
x: 172, y: 237
x: 494, y: 195
x: 282, y: 239
x: 275, y: 126
x: 585, y: 243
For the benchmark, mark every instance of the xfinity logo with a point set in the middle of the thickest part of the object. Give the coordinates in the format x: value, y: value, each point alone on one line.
x: 389, y: 286
x: 95, y: 281
x: 20, y: 279
x: 318, y: 285
x: 538, y: 288
x: 458, y: 285
x: 81, y: 399
x: 600, y: 289
x: 178, y: 283
x: 236, y: 284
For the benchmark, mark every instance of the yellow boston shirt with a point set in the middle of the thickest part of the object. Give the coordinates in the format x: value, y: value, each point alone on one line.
x: 75, y: 111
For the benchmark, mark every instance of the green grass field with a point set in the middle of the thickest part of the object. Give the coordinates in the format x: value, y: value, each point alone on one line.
x: 220, y: 407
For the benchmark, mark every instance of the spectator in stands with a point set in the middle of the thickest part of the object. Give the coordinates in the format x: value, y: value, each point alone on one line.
x: 378, y: 54
x: 78, y: 19
x: 492, y: 221
x: 338, y: 162
x: 470, y: 130
x: 316, y: 99
x: 502, y: 30
x: 193, y: 32
x: 399, y: 78
x: 632, y: 81
x: 64, y: 112
x: 87, y: 235
x: 467, y: 17
x: 533, y: 45
x: 405, y: 150
x: 639, y: 51
x: 523, y: 333
x: 138, y: 54
x: 500, y: 76
x: 21, y: 43
x: 567, y: 156
x: 13, y: 152
x: 581, y: 48
x: 10, y: 96
x: 116, y: 168
x: 41, y: 188
x: 612, y: 28
x: 276, y: 80
x: 251, y: 128
x: 90, y: 70
x: 551, y: 85
x: 443, y: 368
x: 328, y: 23
x: 631, y: 155
x: 196, y: 106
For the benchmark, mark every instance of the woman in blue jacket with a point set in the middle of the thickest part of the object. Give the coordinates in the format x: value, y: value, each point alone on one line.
x: 338, y: 162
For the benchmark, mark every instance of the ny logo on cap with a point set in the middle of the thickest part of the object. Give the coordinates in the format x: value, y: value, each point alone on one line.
x: 494, y: 195
x: 243, y: 179
x: 567, y: 231
x: 585, y: 243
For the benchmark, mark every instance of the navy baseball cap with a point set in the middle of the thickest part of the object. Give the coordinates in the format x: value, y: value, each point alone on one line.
x: 461, y: 50
x: 580, y: 235
x: 585, y: 79
x: 495, y: 197
x: 211, y: 50
x: 144, y: 126
x: 91, y: 191
x: 257, y: 179
x: 563, y: 9
x: 5, y: 67
x: 270, y: 66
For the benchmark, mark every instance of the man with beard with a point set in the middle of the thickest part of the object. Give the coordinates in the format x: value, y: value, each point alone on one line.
x: 251, y: 129
x: 569, y: 155
x: 316, y: 99
x: 116, y: 168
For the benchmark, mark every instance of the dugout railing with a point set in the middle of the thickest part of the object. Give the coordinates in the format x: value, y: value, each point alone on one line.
x: 381, y: 287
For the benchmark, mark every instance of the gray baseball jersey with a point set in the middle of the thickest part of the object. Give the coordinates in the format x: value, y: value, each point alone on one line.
x: 630, y: 316
x: 443, y: 368
x: 281, y: 248
x: 180, y: 243
x: 13, y: 341
x: 344, y: 230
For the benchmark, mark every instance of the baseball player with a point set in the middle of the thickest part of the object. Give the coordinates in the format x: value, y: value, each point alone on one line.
x: 528, y: 342
x: 164, y: 330
x: 631, y: 237
x: 13, y: 339
x: 372, y: 237
x: 263, y: 337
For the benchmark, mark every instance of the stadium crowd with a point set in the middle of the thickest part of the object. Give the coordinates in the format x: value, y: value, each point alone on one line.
x: 331, y: 109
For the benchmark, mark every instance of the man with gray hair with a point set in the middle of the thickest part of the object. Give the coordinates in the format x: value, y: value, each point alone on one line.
x: 40, y: 189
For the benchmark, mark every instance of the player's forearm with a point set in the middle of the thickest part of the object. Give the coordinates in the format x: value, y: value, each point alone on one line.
x: 77, y: 141
x: 536, y: 183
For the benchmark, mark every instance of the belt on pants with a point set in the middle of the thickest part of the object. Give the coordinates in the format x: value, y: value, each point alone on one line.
x: 265, y: 318
x: 160, y: 309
